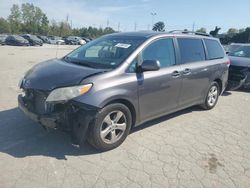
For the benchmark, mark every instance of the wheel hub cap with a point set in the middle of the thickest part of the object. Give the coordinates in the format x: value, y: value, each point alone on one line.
x: 113, y: 127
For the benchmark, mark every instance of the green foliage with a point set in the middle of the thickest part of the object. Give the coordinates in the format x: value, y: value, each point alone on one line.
x: 232, y: 31
x: 4, y: 26
x: 31, y: 19
x: 15, y: 18
x: 202, y: 30
x: 159, y: 26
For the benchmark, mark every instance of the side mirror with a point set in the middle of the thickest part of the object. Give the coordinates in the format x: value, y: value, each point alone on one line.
x: 149, y: 65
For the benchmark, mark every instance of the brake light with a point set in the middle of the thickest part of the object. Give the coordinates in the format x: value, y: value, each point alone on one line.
x: 228, y: 62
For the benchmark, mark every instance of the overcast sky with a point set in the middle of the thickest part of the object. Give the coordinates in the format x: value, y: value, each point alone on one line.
x: 131, y: 14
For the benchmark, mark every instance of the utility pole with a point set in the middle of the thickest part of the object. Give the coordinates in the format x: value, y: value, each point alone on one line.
x: 193, y: 27
x: 148, y: 26
x: 107, y: 22
x: 153, y: 14
x: 135, y: 27
x: 118, y: 27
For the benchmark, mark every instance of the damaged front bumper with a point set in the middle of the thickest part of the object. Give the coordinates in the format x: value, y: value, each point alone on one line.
x: 47, y: 120
x: 238, y: 77
x: 72, y: 116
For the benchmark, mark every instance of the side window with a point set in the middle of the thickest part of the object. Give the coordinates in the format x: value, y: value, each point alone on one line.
x: 214, y: 49
x: 191, y: 50
x: 161, y: 50
x: 132, y: 67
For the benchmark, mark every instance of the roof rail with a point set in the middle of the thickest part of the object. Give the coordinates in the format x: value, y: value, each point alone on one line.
x: 190, y: 32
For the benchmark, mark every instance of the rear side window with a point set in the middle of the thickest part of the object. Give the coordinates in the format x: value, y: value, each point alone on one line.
x: 161, y: 50
x: 214, y: 49
x: 191, y: 50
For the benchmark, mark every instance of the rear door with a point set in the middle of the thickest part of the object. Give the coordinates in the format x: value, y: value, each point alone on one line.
x: 159, y: 90
x: 195, y: 70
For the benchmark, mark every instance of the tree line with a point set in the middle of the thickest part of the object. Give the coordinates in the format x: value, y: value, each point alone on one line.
x: 233, y: 35
x: 28, y: 18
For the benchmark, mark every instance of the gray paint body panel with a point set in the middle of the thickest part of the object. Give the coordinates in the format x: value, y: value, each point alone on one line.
x: 153, y: 93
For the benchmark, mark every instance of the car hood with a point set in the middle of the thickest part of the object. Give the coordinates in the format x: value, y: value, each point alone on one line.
x: 240, y: 61
x: 56, y: 73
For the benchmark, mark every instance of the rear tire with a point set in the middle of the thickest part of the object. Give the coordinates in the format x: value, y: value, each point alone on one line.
x: 212, y: 96
x: 111, y: 127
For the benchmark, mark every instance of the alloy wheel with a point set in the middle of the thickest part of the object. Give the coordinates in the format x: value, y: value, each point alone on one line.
x: 113, y: 127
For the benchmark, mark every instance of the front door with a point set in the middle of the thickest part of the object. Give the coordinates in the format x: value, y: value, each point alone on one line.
x: 159, y: 90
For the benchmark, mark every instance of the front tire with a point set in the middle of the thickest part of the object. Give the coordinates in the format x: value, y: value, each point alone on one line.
x: 212, y: 96
x: 111, y: 127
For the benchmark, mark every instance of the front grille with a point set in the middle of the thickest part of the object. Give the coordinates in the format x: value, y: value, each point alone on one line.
x: 36, y: 101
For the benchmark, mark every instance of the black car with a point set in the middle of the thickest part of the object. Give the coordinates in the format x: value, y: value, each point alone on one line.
x: 16, y: 40
x: 2, y: 39
x: 33, y: 40
x: 44, y: 39
x: 239, y: 70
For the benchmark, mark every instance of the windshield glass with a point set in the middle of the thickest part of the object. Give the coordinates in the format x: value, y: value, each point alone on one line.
x: 34, y: 37
x: 17, y: 37
x: 242, y: 51
x: 106, y: 52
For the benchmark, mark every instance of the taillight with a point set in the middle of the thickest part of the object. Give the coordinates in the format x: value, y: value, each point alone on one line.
x: 228, y: 63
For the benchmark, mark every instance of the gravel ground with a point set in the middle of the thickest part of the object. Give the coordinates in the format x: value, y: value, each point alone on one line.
x: 191, y: 148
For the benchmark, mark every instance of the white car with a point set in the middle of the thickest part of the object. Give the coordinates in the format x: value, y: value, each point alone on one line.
x: 56, y: 40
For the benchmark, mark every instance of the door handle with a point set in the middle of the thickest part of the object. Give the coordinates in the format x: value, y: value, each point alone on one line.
x: 187, y: 71
x: 176, y: 74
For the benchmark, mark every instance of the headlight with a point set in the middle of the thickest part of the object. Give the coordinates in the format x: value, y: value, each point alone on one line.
x: 66, y: 93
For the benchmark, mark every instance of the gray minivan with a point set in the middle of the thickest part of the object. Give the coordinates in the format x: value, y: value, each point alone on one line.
x: 104, y: 88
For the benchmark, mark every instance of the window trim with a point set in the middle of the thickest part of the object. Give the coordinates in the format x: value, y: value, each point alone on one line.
x: 207, y: 58
x: 179, y: 51
x: 138, y: 56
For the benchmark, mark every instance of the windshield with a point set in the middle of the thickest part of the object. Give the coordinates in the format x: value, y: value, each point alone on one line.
x: 17, y: 37
x: 106, y: 52
x: 34, y: 37
x: 242, y: 51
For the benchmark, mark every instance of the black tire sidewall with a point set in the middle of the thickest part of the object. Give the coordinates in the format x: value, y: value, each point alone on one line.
x: 94, y: 136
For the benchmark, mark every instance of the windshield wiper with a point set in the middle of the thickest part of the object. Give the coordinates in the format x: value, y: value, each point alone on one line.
x: 78, y: 62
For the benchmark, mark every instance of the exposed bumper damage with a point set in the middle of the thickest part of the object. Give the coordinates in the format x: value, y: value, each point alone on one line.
x: 72, y: 116
x: 239, y: 77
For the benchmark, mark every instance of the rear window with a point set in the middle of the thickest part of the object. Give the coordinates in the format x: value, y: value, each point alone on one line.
x: 191, y: 50
x: 214, y: 49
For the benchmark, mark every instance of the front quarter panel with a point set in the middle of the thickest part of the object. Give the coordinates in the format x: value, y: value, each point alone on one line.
x: 108, y: 87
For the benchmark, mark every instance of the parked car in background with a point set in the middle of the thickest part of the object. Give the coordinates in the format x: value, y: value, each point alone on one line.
x: 56, y: 40
x: 74, y: 40
x: 232, y: 47
x: 16, y: 40
x: 44, y: 39
x: 33, y: 40
x: 86, y: 39
x: 239, y: 71
x: 109, y: 85
x: 3, y: 38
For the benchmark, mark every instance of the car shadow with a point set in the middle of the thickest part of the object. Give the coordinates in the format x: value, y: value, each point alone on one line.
x: 245, y: 90
x: 165, y: 118
x: 21, y: 137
